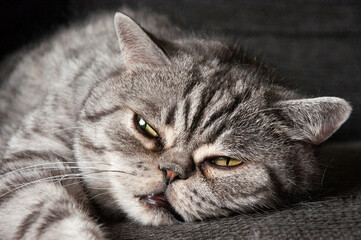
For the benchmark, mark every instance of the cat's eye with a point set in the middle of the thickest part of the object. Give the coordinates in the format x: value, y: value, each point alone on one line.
x: 145, y: 128
x: 226, y: 161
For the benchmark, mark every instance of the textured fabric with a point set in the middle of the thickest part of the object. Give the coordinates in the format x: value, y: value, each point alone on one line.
x: 329, y: 219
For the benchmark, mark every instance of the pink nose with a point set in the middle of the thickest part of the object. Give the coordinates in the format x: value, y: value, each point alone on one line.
x: 171, y: 175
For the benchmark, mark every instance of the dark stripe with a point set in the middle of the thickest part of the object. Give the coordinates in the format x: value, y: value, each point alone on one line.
x: 216, y: 133
x: 35, y: 175
x: 37, y: 154
x: 6, y: 197
x: 50, y: 167
x: 65, y: 140
x: 214, y: 117
x: 89, y: 145
x: 205, y: 99
x: 190, y: 86
x: 197, y: 116
x: 30, y: 154
x: 97, y: 116
x: 18, y: 179
x: 196, y: 76
x: 171, y: 115
x: 224, y: 110
x: 186, y: 112
x: 27, y: 155
x: 81, y: 73
x: 29, y: 220
x: 218, y: 79
x: 236, y: 102
x: 13, y: 183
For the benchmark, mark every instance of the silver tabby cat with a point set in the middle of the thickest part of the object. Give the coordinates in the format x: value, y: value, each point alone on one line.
x: 105, y: 118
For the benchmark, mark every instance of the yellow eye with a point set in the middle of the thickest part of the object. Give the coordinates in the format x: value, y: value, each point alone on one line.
x: 226, y: 161
x: 145, y: 127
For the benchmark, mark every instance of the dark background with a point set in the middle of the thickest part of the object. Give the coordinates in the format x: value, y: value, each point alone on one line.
x: 314, y: 45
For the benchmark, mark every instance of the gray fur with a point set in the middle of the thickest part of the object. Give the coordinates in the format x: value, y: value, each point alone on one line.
x: 69, y: 139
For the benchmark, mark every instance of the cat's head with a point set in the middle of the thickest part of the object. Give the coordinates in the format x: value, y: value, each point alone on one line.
x: 193, y: 129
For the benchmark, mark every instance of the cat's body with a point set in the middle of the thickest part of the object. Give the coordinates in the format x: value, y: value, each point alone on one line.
x: 142, y: 130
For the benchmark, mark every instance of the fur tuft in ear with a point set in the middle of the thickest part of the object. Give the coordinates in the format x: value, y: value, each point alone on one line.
x: 316, y: 119
x: 137, y: 48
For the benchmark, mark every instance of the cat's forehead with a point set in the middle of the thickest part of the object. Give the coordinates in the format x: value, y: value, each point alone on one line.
x: 187, y: 77
x: 221, y: 93
x: 206, y: 88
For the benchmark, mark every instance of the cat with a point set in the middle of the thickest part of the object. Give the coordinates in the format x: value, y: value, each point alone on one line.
x: 106, y: 118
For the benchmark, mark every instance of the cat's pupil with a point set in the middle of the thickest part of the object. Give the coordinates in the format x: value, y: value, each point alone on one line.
x: 227, y: 161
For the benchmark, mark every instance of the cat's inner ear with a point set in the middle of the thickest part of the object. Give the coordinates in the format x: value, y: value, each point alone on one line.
x: 136, y: 47
x: 316, y: 119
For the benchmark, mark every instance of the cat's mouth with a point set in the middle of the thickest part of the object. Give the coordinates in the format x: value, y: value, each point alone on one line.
x: 160, y: 201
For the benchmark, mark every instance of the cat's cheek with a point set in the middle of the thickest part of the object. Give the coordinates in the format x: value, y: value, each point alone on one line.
x: 217, y: 191
x: 140, y: 182
x: 178, y: 197
x: 191, y: 199
x: 149, y: 216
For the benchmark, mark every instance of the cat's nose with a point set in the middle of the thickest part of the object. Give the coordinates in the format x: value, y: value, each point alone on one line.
x: 176, y: 165
x: 171, y: 176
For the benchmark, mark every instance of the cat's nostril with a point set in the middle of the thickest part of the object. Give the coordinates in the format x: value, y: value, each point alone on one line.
x: 171, y: 176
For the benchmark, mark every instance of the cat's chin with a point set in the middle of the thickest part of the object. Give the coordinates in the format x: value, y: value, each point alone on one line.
x: 153, y: 216
x: 158, y: 202
x: 154, y: 209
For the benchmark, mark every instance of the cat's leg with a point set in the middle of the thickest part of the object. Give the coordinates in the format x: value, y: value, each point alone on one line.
x: 43, y: 200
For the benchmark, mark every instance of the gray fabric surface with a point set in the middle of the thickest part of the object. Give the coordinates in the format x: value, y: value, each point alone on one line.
x: 328, y: 219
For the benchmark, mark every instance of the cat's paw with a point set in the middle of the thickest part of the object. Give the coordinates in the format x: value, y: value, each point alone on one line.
x: 70, y: 229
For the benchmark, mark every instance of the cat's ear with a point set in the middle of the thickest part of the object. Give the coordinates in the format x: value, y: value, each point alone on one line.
x: 136, y: 47
x: 316, y: 119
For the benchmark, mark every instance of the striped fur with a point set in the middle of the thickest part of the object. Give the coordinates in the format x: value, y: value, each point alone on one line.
x: 71, y: 148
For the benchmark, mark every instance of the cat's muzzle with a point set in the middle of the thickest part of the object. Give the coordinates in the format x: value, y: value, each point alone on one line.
x: 160, y: 201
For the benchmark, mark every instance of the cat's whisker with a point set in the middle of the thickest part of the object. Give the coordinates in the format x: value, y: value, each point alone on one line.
x: 71, y: 184
x: 110, y: 171
x: 63, y: 177
x: 49, y: 168
x: 61, y: 165
x: 33, y: 182
x: 32, y: 167
x: 98, y: 195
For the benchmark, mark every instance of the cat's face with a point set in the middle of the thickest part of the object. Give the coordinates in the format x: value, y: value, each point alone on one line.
x: 188, y: 137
